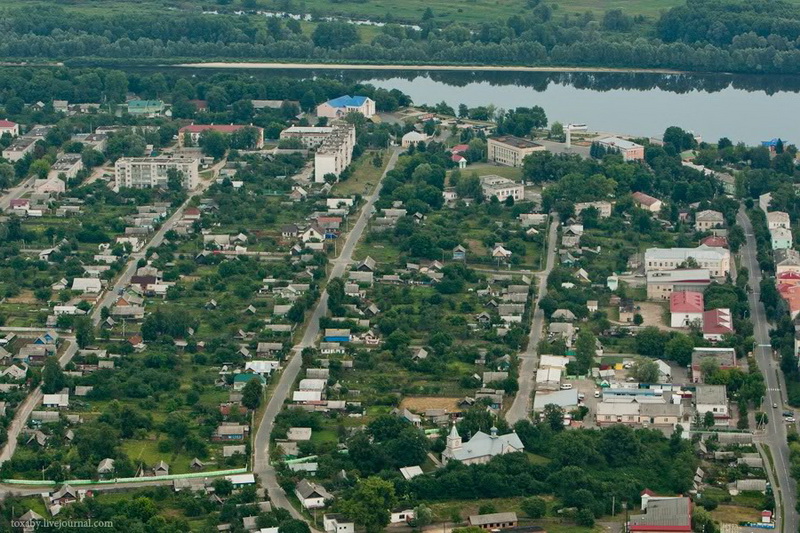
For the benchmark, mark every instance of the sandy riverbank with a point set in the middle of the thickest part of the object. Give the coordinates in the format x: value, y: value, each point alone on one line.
x: 467, y: 68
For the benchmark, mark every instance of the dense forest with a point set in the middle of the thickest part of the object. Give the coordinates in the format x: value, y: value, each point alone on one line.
x: 703, y: 35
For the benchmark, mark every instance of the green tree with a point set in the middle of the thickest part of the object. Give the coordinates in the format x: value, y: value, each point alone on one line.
x: 708, y: 419
x: 554, y: 416
x: 645, y: 370
x: 53, y: 379
x: 252, y: 394
x: 679, y: 349
x: 534, y: 507
x: 40, y: 168
x: 557, y: 130
x: 335, y: 34
x: 84, y: 331
x: 369, y: 503
x: 213, y: 143
x: 585, y: 350
x: 650, y: 341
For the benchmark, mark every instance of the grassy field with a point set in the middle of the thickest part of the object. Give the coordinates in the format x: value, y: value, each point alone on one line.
x: 485, y: 169
x: 365, y: 176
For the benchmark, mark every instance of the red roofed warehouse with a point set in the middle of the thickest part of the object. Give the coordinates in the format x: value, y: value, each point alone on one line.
x: 194, y: 131
x: 716, y: 324
x: 686, y: 308
x: 662, y: 514
x: 647, y: 202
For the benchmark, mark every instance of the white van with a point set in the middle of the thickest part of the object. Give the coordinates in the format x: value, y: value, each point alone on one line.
x: 566, y: 386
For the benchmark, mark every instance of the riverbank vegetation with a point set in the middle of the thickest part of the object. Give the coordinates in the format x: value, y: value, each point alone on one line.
x: 752, y: 37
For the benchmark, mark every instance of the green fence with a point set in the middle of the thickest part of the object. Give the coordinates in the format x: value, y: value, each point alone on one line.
x: 170, y: 477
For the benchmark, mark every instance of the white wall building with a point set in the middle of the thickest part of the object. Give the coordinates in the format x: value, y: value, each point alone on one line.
x: 335, y: 153
x: 151, y: 172
x: 502, y: 188
x: 310, y: 136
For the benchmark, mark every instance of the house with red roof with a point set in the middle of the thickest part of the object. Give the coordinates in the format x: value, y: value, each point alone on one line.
x: 460, y: 160
x: 716, y: 324
x: 459, y: 148
x: 647, y: 202
x: 193, y: 131
x: 8, y: 127
x: 715, y: 242
x: 686, y: 308
x: 191, y: 213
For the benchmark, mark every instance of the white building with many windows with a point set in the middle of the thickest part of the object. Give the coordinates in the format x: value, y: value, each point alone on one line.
x: 715, y: 260
x: 335, y: 153
x: 150, y: 172
x: 510, y: 151
x: 310, y: 136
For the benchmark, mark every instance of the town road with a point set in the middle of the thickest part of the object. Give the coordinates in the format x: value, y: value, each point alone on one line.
x: 16, y: 192
x: 261, y: 465
x: 775, y: 432
x: 30, y: 403
x: 124, y: 279
x: 521, y: 408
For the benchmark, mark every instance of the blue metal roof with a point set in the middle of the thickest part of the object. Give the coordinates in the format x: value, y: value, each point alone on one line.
x: 347, y: 101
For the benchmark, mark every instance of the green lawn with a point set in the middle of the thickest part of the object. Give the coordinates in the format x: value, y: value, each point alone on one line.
x: 364, y: 178
x: 485, y: 169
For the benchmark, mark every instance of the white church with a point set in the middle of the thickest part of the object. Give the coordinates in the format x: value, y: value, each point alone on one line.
x: 481, y: 447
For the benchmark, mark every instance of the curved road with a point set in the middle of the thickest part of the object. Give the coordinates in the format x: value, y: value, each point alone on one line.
x: 521, y: 408
x: 261, y: 466
x: 775, y: 432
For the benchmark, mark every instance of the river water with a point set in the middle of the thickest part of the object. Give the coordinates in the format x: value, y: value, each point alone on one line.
x: 743, y: 108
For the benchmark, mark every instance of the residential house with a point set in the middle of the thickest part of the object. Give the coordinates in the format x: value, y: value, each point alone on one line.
x: 786, y: 260
x: 781, y: 238
x: 708, y: 220
x: 778, y: 219
x: 713, y: 399
x: 311, y: 495
x: 87, y: 285
x: 161, y: 469
x: 229, y: 432
x: 336, y: 523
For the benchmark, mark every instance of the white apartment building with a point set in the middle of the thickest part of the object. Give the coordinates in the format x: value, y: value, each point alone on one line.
x: 310, y: 136
x: 67, y: 164
x: 502, y: 188
x: 19, y: 148
x: 715, y: 260
x: 778, y: 219
x: 151, y: 172
x: 335, y: 153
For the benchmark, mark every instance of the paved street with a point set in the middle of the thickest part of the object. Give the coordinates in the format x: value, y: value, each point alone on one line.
x: 521, y: 407
x: 289, y: 374
x: 775, y: 433
x: 16, y: 192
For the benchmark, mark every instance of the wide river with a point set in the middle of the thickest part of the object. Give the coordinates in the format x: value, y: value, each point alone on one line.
x: 743, y: 108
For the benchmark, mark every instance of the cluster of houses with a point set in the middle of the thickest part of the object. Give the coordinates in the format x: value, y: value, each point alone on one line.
x: 687, y: 310
x: 787, y: 259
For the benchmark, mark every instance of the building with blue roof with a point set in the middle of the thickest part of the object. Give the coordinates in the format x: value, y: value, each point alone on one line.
x: 343, y: 105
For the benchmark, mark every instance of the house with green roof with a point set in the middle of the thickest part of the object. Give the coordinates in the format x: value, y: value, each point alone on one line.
x: 240, y: 380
